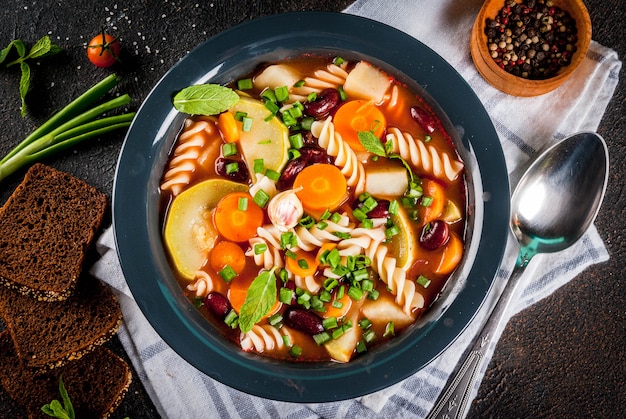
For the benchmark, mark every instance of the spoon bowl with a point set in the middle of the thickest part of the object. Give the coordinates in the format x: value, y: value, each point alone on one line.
x: 560, y: 194
x: 552, y: 206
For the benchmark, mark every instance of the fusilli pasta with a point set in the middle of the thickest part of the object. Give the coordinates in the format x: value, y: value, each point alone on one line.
x: 263, y: 337
x: 345, y: 158
x: 423, y: 156
x: 202, y: 284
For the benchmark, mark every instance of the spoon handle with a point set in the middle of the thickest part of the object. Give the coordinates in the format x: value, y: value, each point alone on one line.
x: 455, y: 395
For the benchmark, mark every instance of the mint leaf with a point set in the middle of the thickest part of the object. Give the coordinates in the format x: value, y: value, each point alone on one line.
x: 372, y: 143
x: 24, y: 85
x: 205, y: 99
x: 40, y: 48
x: 260, y: 298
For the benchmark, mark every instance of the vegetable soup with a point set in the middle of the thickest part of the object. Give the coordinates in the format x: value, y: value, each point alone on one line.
x: 312, y: 209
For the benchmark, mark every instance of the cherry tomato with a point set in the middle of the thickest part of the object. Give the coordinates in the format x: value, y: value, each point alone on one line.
x: 103, y: 50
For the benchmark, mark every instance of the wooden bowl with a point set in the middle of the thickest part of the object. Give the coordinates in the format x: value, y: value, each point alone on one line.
x: 519, y: 86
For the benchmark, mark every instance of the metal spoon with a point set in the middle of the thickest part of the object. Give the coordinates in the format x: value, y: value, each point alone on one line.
x: 552, y: 206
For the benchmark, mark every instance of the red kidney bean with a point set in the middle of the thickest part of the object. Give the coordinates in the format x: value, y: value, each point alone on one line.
x: 434, y: 235
x: 423, y: 118
x: 308, y: 155
x: 303, y: 320
x: 380, y: 211
x: 240, y: 175
x: 326, y: 101
x: 219, y: 305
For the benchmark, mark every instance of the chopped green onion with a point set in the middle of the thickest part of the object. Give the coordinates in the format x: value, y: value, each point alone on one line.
x: 342, y: 93
x: 337, y: 304
x: 355, y: 293
x: 287, y: 341
x: 288, y: 239
x: 307, y: 222
x: 325, y: 296
x: 341, y: 235
x: 373, y: 294
x: 275, y: 319
x: 326, y: 215
x: 338, y: 60
x: 303, y: 264
x: 232, y: 168
x: 392, y: 231
x: 244, y: 84
x: 370, y: 203
x: 272, y: 174
x: 260, y: 248
x: 261, y: 198
x: 247, y: 124
x: 282, y: 93
x: 394, y: 207
x: 338, y: 332
x: 311, y: 97
x: 341, y: 291
x: 229, y: 149
x: 423, y: 281
x: 242, y: 204
x: 330, y: 283
x: 427, y: 201
x: 269, y: 95
x: 299, y: 83
x: 227, y: 273
x: 293, y: 153
x: 232, y: 319
x: 272, y: 107
x: 367, y: 285
x: 285, y: 295
x: 361, y: 347
x: 322, y: 225
x: 329, y: 323
x: 296, y: 140
x: 307, y: 122
x: 369, y: 335
x: 321, y: 338
x: 259, y: 166
x: 295, y: 351
x: 365, y: 323
x: 239, y: 116
x: 369, y: 224
x: 389, y: 330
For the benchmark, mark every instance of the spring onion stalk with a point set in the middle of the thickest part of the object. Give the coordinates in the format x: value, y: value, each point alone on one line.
x: 81, y: 119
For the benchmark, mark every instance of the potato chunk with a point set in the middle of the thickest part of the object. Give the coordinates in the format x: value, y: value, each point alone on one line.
x: 366, y: 82
x: 386, y: 181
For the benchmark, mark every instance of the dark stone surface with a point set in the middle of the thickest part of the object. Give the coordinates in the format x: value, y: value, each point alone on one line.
x: 563, y: 357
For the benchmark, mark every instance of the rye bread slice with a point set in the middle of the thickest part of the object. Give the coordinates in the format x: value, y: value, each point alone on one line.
x: 96, y: 383
x: 46, y: 227
x: 48, y: 334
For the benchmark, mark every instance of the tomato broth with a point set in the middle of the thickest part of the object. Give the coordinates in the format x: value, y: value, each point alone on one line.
x: 342, y: 193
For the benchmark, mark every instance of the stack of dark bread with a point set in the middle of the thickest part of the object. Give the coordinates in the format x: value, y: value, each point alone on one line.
x: 56, y: 317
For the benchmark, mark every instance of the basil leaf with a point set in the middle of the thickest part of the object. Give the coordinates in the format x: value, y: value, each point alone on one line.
x: 260, y: 298
x: 40, y: 47
x: 205, y: 99
x: 24, y: 85
x: 372, y: 143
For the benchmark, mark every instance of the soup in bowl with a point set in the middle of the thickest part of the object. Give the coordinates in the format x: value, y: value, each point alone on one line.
x: 338, y: 218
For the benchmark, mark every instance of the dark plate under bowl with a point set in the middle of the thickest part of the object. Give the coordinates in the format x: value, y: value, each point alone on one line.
x: 236, y: 52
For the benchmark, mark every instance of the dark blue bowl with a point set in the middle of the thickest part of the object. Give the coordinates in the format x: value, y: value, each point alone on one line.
x: 235, y: 52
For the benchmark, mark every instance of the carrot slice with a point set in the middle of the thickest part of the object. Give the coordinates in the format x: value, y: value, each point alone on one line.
x: 323, y: 187
x: 337, y: 307
x: 237, y: 217
x: 433, y: 201
x: 452, y: 253
x: 303, y: 264
x: 228, y: 127
x: 227, y: 253
x: 359, y: 115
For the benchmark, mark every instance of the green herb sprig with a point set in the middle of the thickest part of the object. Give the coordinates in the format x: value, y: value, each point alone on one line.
x: 79, y: 120
x: 373, y: 144
x: 205, y: 99
x: 42, y: 48
x: 260, y: 298
x: 59, y: 410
